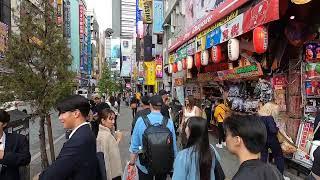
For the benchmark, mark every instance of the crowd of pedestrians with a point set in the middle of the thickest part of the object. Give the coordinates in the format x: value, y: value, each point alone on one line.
x: 92, y: 149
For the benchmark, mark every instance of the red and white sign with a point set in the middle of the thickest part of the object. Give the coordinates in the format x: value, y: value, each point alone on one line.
x: 261, y: 13
x: 222, y: 10
x: 81, y: 20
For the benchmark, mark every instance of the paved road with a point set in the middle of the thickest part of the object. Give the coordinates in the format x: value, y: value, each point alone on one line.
x: 229, y: 162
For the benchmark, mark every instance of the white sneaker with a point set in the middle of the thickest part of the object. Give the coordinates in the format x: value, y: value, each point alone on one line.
x: 224, y: 143
x: 219, y: 146
x: 286, y: 178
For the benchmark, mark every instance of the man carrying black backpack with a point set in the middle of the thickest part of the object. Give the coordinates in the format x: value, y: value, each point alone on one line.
x: 153, y: 144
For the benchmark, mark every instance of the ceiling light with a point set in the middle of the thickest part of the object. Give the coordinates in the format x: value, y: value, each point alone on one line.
x: 292, y: 17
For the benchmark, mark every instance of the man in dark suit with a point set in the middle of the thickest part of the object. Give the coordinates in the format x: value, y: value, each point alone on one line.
x: 77, y: 159
x: 14, y: 151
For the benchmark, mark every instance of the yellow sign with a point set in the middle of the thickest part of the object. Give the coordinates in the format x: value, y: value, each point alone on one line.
x: 171, y: 59
x: 147, y: 11
x: 150, y: 72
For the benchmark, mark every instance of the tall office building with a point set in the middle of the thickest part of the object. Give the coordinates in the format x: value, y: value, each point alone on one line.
x: 128, y: 18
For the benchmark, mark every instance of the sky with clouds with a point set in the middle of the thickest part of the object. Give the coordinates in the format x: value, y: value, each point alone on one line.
x: 103, y: 10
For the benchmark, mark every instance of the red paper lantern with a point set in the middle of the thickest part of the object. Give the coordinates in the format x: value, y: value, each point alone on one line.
x: 184, y: 64
x: 260, y: 39
x: 198, y: 60
x: 175, y: 67
x: 216, y: 54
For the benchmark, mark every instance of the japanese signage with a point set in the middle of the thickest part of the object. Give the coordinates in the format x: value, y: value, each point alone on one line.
x: 81, y: 20
x: 232, y: 74
x: 305, y: 130
x: 263, y: 12
x: 159, y: 72
x: 171, y: 58
x: 89, y: 47
x: 59, y: 12
x: 3, y: 39
x: 150, y: 73
x: 67, y: 19
x: 157, y: 16
x: 147, y: 11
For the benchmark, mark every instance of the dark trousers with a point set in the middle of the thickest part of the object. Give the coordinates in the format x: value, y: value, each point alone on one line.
x: 143, y: 176
x: 222, y: 136
x: 117, y: 178
x: 277, y: 153
x: 115, y: 123
x: 134, y: 112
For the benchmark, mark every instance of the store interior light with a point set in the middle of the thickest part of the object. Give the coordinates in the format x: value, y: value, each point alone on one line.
x: 292, y: 17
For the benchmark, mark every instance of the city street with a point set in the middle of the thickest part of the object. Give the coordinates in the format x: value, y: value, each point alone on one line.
x: 229, y: 162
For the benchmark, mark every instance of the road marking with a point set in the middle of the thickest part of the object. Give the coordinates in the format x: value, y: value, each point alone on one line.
x: 37, y: 155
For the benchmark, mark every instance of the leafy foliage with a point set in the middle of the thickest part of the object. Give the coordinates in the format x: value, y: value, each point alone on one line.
x: 108, y: 83
x: 39, y: 59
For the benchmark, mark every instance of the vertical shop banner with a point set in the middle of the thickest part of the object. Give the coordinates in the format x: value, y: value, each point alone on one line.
x: 180, y: 94
x: 67, y: 19
x: 115, y: 54
x: 140, y: 70
x: 81, y: 21
x: 147, y: 11
x: 3, y: 39
x: 126, y: 66
x: 150, y: 72
x: 305, y: 130
x: 89, y: 47
x: 159, y: 72
x: 158, y: 16
x: 147, y: 42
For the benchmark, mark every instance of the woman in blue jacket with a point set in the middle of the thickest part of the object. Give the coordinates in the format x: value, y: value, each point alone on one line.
x: 199, y: 160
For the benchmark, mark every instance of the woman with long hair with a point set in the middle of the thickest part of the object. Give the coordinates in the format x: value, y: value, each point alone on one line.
x: 268, y: 114
x: 109, y: 144
x: 190, y: 110
x: 199, y: 161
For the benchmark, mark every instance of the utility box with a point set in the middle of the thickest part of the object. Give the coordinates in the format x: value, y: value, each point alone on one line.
x: 19, y: 123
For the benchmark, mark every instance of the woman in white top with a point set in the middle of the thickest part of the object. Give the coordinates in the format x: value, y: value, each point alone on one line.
x: 108, y: 144
x: 190, y: 110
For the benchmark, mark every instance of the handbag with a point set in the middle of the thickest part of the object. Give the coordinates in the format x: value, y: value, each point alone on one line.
x: 102, y: 174
x: 130, y: 173
x: 133, y: 105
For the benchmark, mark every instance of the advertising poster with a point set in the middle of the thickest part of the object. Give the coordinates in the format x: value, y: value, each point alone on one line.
x: 67, y: 19
x: 150, y: 72
x: 158, y: 16
x: 3, y: 39
x: 305, y: 130
x: 126, y: 66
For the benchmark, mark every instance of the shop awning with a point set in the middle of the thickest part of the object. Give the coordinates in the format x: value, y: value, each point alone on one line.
x: 234, y: 23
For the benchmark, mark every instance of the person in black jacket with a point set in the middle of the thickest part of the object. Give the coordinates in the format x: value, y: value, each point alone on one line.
x: 145, y: 111
x: 246, y: 136
x: 14, y: 151
x: 77, y: 159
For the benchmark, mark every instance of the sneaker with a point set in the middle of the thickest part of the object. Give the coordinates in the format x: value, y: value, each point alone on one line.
x: 224, y: 143
x: 286, y: 178
x: 219, y: 146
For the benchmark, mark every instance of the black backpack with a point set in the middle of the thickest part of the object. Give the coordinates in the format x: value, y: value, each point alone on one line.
x: 157, y: 143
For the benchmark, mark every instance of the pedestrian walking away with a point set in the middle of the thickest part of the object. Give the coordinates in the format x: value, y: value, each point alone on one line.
x: 14, y: 151
x: 153, y: 144
x: 77, y: 159
x: 165, y: 106
x: 134, y: 105
x: 145, y: 110
x: 220, y: 113
x: 109, y: 144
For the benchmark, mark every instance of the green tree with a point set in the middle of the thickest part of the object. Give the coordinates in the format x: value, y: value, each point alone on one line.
x: 39, y: 60
x: 108, y: 83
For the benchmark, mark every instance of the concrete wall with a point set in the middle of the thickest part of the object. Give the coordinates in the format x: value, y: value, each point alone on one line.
x: 75, y: 43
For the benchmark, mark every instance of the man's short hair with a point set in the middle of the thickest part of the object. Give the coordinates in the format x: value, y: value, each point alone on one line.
x: 145, y: 100
x: 250, y: 128
x: 74, y: 102
x: 4, y: 116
